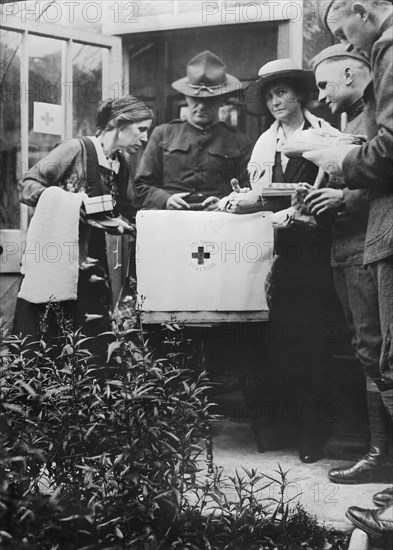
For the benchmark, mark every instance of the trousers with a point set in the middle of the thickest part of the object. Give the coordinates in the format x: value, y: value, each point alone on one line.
x: 382, y: 275
x: 358, y: 295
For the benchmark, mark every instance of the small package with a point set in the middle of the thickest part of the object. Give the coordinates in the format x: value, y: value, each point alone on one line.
x: 313, y: 140
x: 95, y: 205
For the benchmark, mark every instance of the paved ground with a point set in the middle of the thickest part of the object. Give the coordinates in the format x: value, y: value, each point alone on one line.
x: 234, y: 448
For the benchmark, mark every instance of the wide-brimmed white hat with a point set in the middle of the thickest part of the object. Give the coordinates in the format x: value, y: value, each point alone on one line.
x: 280, y: 70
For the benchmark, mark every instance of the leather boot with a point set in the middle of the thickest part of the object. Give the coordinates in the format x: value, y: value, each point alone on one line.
x: 378, y: 523
x: 369, y: 469
x: 383, y: 497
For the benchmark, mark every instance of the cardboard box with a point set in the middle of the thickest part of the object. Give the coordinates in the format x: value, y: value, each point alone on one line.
x: 102, y: 203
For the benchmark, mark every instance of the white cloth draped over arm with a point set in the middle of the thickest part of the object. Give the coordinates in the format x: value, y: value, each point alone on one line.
x: 51, y: 260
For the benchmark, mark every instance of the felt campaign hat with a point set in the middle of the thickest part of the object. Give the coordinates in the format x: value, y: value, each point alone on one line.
x: 206, y: 77
x: 338, y: 51
x: 280, y: 70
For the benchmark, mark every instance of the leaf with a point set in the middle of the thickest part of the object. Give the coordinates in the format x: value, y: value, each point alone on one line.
x: 110, y: 521
x: 113, y: 346
x: 83, y: 340
x: 170, y: 327
x: 71, y: 518
x: 17, y: 459
x: 68, y: 349
x: 13, y: 407
x: 28, y: 388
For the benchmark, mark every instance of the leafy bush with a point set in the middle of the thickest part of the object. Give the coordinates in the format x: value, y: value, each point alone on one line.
x: 95, y: 458
x: 230, y: 514
x: 115, y: 448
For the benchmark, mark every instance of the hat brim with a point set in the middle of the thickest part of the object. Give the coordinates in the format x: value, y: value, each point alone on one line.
x: 231, y: 85
x: 254, y: 93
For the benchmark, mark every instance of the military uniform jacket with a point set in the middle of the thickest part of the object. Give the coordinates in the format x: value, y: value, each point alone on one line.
x: 371, y: 166
x: 350, y: 225
x: 180, y: 157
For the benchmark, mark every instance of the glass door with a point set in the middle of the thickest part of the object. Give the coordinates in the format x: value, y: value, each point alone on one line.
x: 10, y: 121
x: 52, y: 80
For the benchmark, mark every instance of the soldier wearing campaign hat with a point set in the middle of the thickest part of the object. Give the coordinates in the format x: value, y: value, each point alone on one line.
x: 195, y: 159
x: 367, y: 26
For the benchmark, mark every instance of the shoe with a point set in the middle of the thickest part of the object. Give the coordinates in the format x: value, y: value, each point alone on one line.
x: 383, y: 497
x: 309, y: 455
x: 378, y: 523
x: 369, y: 469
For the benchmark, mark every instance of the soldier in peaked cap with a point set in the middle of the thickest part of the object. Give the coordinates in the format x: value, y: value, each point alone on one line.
x: 342, y: 77
x: 199, y: 155
x: 367, y: 25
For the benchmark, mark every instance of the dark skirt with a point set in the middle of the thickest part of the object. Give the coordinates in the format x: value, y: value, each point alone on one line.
x: 91, y: 312
x: 305, y: 329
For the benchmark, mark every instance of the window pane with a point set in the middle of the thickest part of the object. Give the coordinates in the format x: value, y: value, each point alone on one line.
x: 10, y: 51
x: 87, y: 88
x: 45, y: 61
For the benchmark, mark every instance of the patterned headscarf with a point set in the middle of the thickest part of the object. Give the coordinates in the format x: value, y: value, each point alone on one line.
x: 113, y: 112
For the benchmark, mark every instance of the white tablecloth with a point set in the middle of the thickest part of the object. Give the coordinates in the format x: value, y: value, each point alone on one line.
x: 203, y: 261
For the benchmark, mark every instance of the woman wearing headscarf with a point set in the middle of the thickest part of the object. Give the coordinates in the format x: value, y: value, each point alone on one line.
x: 303, y: 305
x: 77, y: 280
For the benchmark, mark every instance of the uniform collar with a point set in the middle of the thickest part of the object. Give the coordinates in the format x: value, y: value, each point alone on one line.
x: 206, y: 129
x: 385, y: 25
x: 355, y: 109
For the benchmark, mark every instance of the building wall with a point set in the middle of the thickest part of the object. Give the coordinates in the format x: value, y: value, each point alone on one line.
x: 158, y: 59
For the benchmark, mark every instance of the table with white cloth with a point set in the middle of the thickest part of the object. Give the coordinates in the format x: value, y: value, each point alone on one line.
x: 203, y: 267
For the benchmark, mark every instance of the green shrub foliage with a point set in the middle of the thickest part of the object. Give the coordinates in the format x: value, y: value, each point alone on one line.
x: 108, y: 457
x: 96, y: 457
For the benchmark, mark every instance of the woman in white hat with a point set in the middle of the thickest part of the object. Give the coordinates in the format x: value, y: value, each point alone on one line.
x: 304, y: 308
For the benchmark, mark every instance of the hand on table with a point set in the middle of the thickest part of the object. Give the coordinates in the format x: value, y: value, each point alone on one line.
x: 176, y: 202
x: 241, y: 201
x: 211, y: 204
x: 244, y: 203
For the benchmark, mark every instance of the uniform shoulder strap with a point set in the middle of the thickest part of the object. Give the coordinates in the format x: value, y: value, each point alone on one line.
x: 93, y: 176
